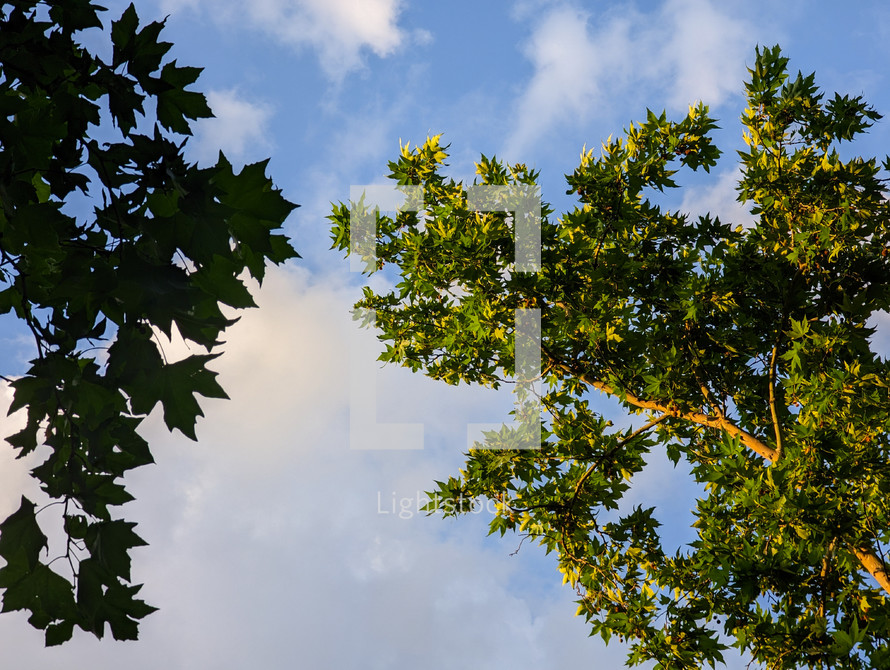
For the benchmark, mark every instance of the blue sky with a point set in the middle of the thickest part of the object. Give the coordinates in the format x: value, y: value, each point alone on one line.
x: 274, y: 545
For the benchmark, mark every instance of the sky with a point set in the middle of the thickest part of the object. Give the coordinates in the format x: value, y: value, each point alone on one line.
x: 273, y: 543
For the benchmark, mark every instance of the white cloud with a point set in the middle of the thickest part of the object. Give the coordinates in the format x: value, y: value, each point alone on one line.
x: 267, y: 539
x: 15, y: 480
x: 569, y: 66
x: 704, y: 52
x: 240, y: 128
x: 880, y: 340
x: 267, y: 542
x: 339, y: 31
x: 718, y: 199
x: 687, y: 50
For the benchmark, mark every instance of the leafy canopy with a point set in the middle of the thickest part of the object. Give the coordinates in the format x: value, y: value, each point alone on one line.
x: 743, y: 351
x: 108, y: 238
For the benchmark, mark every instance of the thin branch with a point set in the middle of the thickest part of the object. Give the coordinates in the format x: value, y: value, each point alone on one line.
x: 599, y: 461
x: 829, y: 554
x: 710, y: 400
x: 772, y: 401
x: 774, y: 357
x: 521, y: 542
x: 55, y: 502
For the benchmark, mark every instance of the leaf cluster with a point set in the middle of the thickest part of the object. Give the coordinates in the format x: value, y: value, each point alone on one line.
x: 108, y: 239
x: 741, y: 350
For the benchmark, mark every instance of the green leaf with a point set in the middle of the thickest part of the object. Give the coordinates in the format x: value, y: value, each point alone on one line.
x: 109, y: 543
x: 164, y: 245
x: 175, y: 105
x: 21, y: 539
x: 59, y: 633
x: 743, y: 348
x: 219, y: 278
x: 123, y: 34
x: 180, y: 381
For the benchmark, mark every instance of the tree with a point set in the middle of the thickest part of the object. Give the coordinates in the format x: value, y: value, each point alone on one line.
x: 108, y: 239
x: 743, y: 351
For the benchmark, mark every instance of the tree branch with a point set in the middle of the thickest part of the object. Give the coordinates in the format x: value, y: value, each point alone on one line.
x: 875, y: 566
x: 720, y: 422
x: 772, y: 401
x: 870, y: 561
